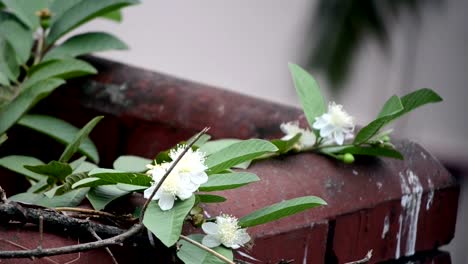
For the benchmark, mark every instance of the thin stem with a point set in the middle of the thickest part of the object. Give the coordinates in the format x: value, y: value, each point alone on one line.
x: 84, y: 211
x: 174, y: 163
x: 107, y: 248
x: 39, y: 47
x: 216, y: 254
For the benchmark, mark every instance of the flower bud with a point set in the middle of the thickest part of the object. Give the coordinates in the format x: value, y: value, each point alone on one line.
x: 348, y: 158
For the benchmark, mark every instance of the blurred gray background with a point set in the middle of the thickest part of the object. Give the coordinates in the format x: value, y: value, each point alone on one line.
x: 245, y: 46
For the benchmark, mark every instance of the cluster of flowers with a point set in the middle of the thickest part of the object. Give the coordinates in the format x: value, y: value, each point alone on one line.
x: 335, y: 126
x: 185, y: 178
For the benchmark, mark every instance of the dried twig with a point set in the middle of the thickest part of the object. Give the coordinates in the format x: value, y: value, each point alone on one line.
x: 115, y: 240
x: 107, y: 249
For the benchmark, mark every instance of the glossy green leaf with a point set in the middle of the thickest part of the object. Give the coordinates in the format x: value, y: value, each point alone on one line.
x: 191, y: 254
x: 130, y: 187
x: 280, y: 210
x: 4, y: 80
x: 20, y: 39
x: 101, y: 196
x: 54, y: 169
x: 84, y: 44
x: 16, y: 163
x: 115, y: 15
x: 64, y: 69
x: 39, y: 186
x: 238, y: 153
x: 213, y: 146
x: 59, y: 7
x: 114, y: 177
x: 167, y: 225
x: 70, y: 199
x: 74, y: 145
x: 225, y: 181
x: 81, y: 13
x: 26, y: 10
x: 69, y: 181
x: 3, y: 138
x: 308, y: 91
x: 61, y: 131
x: 392, y: 110
x: 131, y: 163
x: 25, y: 101
x: 210, y: 198
x: 391, y: 107
x: 364, y: 150
x: 8, y: 62
x: 285, y: 146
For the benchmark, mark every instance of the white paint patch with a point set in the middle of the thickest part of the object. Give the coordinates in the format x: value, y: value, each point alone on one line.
x: 386, y: 226
x: 430, y: 195
x: 423, y: 155
x: 207, y: 215
x: 379, y: 185
x: 355, y: 172
x: 411, y: 189
x: 245, y: 255
x: 221, y: 110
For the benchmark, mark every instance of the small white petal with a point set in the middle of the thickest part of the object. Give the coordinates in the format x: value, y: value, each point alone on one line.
x: 166, y: 202
x: 242, y: 236
x: 147, y: 193
x: 199, y: 178
x: 339, y: 137
x: 326, y: 131
x: 211, y: 241
x: 210, y: 228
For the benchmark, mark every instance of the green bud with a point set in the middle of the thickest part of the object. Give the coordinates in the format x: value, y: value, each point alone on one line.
x: 348, y: 158
x: 386, y: 139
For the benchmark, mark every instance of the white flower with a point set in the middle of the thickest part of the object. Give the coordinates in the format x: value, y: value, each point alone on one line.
x: 184, y: 179
x: 335, y: 125
x: 176, y: 185
x: 225, y: 231
x: 291, y: 129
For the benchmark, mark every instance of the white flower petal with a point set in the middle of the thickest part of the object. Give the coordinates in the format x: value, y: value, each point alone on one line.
x: 166, y: 201
x: 242, y: 237
x: 339, y: 137
x: 211, y: 241
x: 147, y: 193
x: 199, y: 178
x: 327, y: 130
x: 210, y: 228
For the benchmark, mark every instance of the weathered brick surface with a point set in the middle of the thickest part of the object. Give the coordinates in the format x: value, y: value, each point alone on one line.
x: 394, y: 207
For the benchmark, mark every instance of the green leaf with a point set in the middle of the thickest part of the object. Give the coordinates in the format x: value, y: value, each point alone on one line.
x: 285, y: 146
x: 40, y: 186
x: 61, y: 131
x: 3, y: 138
x: 64, y: 69
x: 26, y: 10
x: 54, y: 169
x: 280, y: 210
x: 81, y: 13
x: 25, y: 101
x: 4, y: 80
x: 131, y: 163
x: 101, y: 196
x: 19, y: 38
x: 8, y: 62
x: 391, y: 107
x: 309, y: 93
x: 209, y: 198
x: 88, y: 182
x: 69, y: 181
x: 84, y: 44
x: 191, y: 254
x: 364, y: 150
x: 130, y: 187
x: 59, y: 7
x: 70, y: 199
x: 167, y: 225
x: 114, y: 177
x: 200, y: 142
x: 115, y: 15
x: 73, y: 146
x: 213, y: 146
x: 225, y: 181
x: 408, y: 103
x: 16, y: 163
x: 418, y: 98
x: 237, y: 153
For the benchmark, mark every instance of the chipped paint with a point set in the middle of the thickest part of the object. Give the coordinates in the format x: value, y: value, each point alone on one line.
x: 430, y: 195
x: 379, y: 185
x: 423, y: 155
x: 355, y: 172
x: 386, y: 226
x: 411, y: 189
